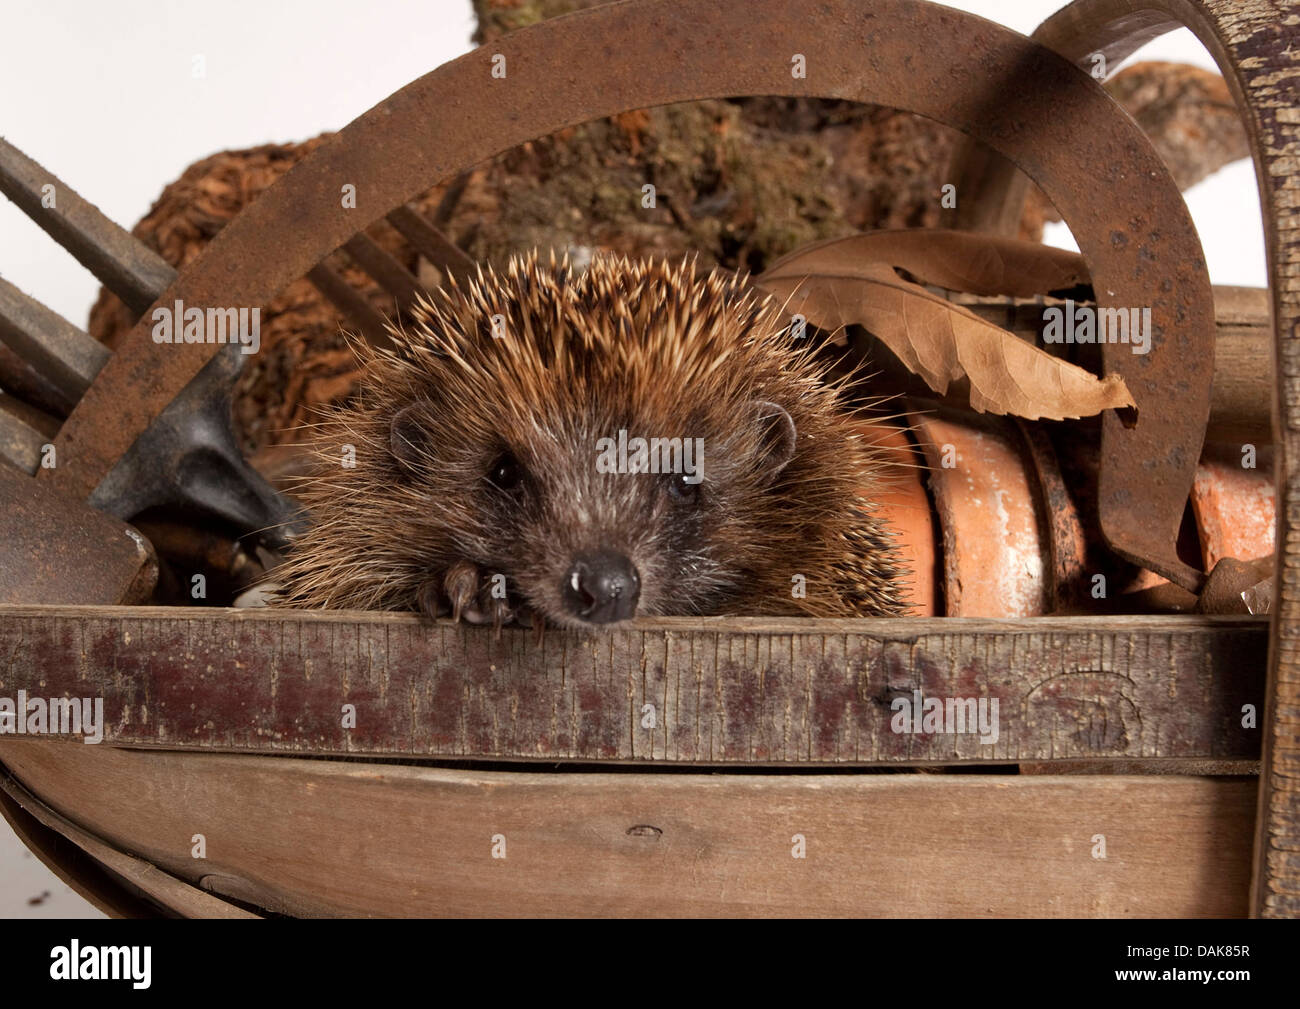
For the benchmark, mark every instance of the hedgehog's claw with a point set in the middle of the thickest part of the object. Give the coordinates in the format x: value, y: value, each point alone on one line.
x: 471, y: 599
x: 461, y: 585
x: 501, y: 614
x: 429, y: 598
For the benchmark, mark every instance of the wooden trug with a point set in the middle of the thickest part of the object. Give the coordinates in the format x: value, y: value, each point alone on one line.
x: 367, y: 836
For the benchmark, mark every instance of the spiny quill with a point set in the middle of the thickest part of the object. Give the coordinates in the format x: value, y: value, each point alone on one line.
x: 476, y: 490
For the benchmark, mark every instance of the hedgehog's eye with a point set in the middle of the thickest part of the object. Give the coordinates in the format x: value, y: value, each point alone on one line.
x: 683, y: 491
x: 506, y: 473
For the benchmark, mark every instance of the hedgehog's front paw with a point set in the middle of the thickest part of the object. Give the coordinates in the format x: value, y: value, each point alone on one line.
x: 430, y: 600
x: 466, y: 594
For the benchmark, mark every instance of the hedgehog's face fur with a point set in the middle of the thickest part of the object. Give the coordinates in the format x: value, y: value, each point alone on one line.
x: 488, y: 435
x: 543, y: 495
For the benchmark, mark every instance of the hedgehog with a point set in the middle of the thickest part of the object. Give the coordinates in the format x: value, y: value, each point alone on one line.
x: 644, y: 437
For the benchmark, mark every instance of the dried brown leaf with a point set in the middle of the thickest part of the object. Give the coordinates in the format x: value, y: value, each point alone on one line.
x: 939, y: 341
x: 957, y: 260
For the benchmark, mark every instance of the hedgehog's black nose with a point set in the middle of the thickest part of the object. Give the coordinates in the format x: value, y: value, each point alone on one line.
x: 601, y: 587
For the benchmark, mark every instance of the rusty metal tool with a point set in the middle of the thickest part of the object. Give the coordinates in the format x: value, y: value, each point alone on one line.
x: 131, y: 270
x: 69, y: 357
x: 387, y: 271
x: 188, y: 457
x: 992, y: 84
x: 57, y: 550
x: 351, y: 302
x: 1147, y: 470
x: 430, y: 241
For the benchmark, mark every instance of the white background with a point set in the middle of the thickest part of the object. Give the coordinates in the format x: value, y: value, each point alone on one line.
x: 103, y: 95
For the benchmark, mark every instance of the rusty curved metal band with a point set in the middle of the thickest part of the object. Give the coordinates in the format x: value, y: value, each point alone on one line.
x: 1254, y: 44
x: 1020, y: 98
x: 1117, y: 29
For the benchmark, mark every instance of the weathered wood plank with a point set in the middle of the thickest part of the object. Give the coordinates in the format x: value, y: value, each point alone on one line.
x: 711, y: 691
x: 315, y: 837
x: 1254, y: 44
x: 1260, y: 38
x: 73, y: 866
x: 186, y: 900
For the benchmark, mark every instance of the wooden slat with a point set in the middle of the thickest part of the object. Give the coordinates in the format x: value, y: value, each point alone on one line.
x: 102, y: 888
x: 329, y: 838
x: 170, y: 892
x: 127, y: 267
x: 723, y: 691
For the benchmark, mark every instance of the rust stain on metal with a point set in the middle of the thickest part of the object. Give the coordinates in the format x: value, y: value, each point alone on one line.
x: 126, y: 266
x: 991, y: 84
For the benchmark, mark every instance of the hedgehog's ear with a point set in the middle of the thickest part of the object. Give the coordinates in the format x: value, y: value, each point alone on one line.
x: 407, y: 439
x: 777, y: 437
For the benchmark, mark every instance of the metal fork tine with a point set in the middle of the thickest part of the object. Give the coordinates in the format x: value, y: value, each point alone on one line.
x: 47, y: 424
x: 450, y: 200
x: 377, y: 261
x: 128, y: 268
x: 20, y: 443
x: 67, y: 356
x: 350, y: 302
x: 429, y: 242
x: 22, y: 380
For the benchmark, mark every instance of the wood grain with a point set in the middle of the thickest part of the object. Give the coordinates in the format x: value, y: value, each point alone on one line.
x: 723, y: 691
x: 171, y: 893
x: 313, y: 837
x: 85, y: 876
x: 1254, y: 43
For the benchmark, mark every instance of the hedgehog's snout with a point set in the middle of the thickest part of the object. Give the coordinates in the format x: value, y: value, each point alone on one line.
x: 601, y: 586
